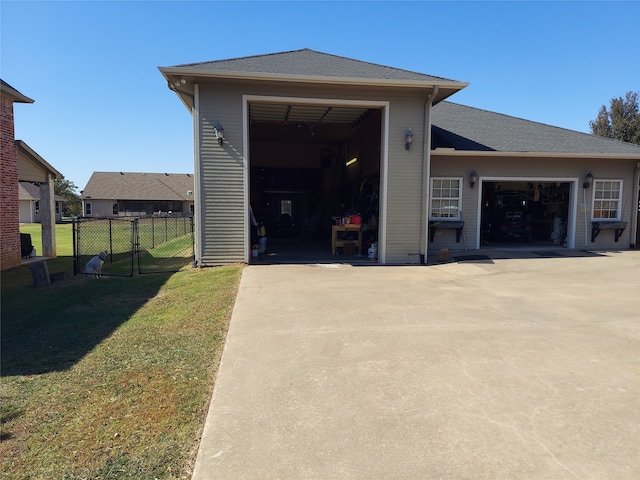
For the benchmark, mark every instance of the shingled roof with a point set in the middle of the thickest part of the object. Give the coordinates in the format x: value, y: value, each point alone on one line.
x: 304, y: 66
x: 311, y: 63
x: 472, y: 129
x: 139, y: 186
x: 31, y: 191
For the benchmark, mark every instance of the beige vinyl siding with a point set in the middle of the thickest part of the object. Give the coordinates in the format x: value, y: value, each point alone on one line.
x: 26, y: 208
x: 30, y: 171
x: 222, y: 179
x: 37, y: 217
x: 536, y: 168
x: 404, y: 182
x: 100, y: 208
x: 458, y: 168
x: 222, y: 172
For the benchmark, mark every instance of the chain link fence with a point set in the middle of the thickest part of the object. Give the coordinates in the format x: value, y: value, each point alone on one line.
x: 164, y: 244
x: 158, y: 243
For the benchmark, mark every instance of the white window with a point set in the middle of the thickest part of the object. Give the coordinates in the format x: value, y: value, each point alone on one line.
x: 446, y: 198
x: 37, y: 207
x: 114, y: 209
x: 607, y: 196
x: 285, y: 207
x: 87, y: 208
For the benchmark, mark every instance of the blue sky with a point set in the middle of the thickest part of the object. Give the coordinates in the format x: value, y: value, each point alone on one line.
x: 102, y: 105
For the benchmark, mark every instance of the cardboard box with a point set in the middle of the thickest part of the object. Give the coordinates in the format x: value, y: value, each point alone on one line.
x: 349, y: 249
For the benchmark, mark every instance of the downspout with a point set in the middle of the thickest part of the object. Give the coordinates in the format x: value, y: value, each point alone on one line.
x: 426, y: 175
x: 197, y: 211
x: 247, y: 210
x: 585, y: 208
x: 636, y: 203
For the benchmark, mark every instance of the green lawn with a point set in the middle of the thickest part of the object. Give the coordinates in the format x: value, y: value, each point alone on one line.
x: 64, y: 240
x: 108, y: 378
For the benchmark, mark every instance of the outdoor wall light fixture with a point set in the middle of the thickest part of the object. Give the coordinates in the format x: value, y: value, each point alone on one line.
x: 588, y: 180
x: 219, y: 132
x: 408, y: 139
x: 179, y: 82
x: 473, y: 179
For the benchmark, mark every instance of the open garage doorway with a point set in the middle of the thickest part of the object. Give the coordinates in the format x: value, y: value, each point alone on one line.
x: 525, y: 213
x: 313, y: 166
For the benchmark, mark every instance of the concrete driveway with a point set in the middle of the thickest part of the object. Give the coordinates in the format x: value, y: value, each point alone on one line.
x: 495, y: 369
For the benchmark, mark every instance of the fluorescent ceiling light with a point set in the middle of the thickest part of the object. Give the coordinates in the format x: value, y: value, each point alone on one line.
x: 352, y: 161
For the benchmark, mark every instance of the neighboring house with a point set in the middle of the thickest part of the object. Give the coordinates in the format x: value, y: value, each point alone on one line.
x: 29, y: 201
x: 19, y: 163
x: 313, y: 137
x: 125, y: 194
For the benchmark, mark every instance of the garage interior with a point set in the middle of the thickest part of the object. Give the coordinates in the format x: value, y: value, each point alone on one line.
x: 528, y: 213
x: 313, y: 166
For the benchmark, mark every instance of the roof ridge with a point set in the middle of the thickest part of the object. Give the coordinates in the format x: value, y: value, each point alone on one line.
x: 246, y: 57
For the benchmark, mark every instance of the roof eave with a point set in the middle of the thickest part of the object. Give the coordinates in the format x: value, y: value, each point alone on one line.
x: 196, y: 72
x: 15, y: 94
x: 447, y: 87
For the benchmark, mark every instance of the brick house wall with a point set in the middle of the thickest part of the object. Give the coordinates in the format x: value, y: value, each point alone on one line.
x: 9, y: 216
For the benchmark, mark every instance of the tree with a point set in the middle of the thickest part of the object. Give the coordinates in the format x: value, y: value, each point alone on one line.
x: 621, y: 121
x: 66, y: 189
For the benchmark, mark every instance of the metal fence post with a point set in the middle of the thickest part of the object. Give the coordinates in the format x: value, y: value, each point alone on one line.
x: 193, y: 246
x: 75, y: 247
x: 135, y: 243
x: 110, y: 239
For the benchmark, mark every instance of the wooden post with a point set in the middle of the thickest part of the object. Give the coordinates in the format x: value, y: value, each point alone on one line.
x: 48, y: 216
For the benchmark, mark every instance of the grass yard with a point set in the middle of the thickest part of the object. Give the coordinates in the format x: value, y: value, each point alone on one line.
x: 64, y: 240
x: 109, y: 378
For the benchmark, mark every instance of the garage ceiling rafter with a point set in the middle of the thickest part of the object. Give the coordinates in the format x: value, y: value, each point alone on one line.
x: 306, y: 114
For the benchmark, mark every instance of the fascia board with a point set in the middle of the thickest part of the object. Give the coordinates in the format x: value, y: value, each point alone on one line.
x: 309, y: 79
x: 465, y: 154
x: 15, y: 94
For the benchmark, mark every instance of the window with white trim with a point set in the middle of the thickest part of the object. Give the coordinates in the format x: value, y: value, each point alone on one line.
x: 87, y: 208
x: 607, y: 196
x: 37, y: 207
x: 446, y: 198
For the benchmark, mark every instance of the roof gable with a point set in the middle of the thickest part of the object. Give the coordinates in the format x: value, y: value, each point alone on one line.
x: 139, y: 186
x: 472, y: 129
x: 25, y: 151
